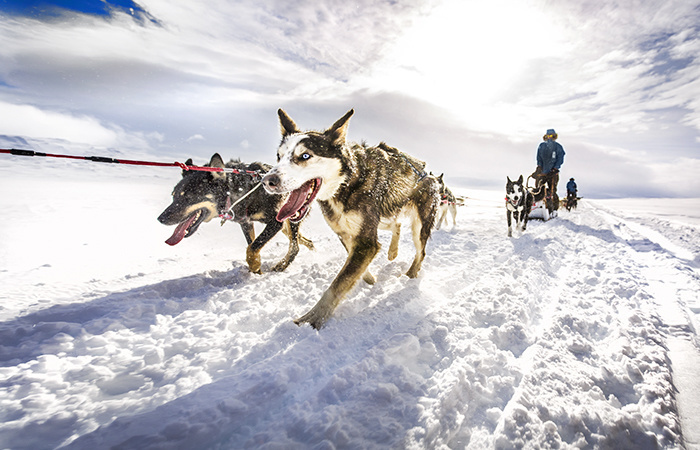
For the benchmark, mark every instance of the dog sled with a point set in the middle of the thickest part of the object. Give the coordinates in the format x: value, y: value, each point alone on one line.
x: 545, y: 204
x: 540, y: 211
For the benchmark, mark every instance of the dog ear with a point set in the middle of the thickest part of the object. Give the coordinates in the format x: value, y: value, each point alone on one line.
x: 287, y: 124
x: 189, y: 162
x: 520, y: 180
x: 339, y: 129
x: 509, y: 180
x: 217, y: 161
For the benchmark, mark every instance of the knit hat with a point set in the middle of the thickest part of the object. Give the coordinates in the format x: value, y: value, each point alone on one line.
x: 550, y: 134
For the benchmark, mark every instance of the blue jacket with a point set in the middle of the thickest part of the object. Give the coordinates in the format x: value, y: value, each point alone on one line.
x: 571, y: 186
x: 550, y: 155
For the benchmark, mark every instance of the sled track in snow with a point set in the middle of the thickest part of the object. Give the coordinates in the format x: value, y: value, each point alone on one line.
x: 597, y: 273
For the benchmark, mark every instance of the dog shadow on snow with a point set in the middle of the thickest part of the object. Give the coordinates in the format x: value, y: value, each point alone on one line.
x: 136, y: 309
x: 292, y: 370
x: 240, y: 395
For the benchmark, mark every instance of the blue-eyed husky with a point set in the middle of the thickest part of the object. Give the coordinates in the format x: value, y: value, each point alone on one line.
x: 360, y: 189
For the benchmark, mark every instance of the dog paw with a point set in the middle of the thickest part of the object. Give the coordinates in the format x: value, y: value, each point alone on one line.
x: 369, y: 278
x: 413, y: 272
x: 280, y: 266
x: 253, y: 260
x: 312, y: 319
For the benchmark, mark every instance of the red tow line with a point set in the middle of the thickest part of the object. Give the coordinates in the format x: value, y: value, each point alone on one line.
x: 102, y: 159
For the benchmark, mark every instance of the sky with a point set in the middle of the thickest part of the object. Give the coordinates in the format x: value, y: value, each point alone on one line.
x: 468, y: 86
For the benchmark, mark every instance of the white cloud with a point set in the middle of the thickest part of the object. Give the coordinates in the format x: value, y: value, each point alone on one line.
x: 26, y: 120
x: 473, y: 85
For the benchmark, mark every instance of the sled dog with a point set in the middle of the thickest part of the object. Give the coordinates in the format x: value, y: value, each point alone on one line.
x: 519, y: 200
x: 201, y: 196
x: 571, y: 201
x: 360, y: 189
x: 448, y: 203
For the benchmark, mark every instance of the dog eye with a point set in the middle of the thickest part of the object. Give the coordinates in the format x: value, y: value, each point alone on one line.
x: 305, y: 156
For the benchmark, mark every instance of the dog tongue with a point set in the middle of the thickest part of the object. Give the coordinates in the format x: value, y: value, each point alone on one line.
x: 295, y: 201
x: 180, y: 230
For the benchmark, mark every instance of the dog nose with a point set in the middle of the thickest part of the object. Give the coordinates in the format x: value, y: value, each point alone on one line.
x: 163, y: 218
x: 271, y: 181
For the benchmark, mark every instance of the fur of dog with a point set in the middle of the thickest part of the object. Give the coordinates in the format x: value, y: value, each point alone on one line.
x: 201, y: 196
x: 448, y: 203
x: 571, y: 201
x: 519, y: 201
x: 360, y: 189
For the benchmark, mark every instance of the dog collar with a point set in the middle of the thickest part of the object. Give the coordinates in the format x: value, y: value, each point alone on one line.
x: 512, y: 206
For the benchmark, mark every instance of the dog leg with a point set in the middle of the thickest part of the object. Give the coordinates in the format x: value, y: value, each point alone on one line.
x: 426, y: 203
x: 306, y: 242
x: 367, y: 277
x: 248, y: 232
x: 442, y: 216
x: 394, y: 246
x: 453, y: 210
x: 253, y: 250
x: 360, y: 255
x: 510, y: 229
x: 287, y: 230
x: 291, y: 230
x: 421, y: 232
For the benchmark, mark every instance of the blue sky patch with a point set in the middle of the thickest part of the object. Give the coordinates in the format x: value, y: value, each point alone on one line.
x: 44, y: 9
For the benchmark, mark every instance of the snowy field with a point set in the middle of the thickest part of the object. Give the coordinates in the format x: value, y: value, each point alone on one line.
x: 578, y: 333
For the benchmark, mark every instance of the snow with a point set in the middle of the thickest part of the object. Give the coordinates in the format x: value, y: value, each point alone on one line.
x: 580, y: 332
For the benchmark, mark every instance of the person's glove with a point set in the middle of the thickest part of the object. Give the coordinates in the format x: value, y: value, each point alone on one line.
x: 554, y: 171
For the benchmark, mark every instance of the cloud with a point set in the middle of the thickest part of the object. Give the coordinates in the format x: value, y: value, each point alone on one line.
x: 626, y: 61
x: 26, y: 120
x: 468, y: 86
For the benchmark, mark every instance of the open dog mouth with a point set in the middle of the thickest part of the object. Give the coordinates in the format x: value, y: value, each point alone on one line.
x: 298, y: 202
x: 187, y: 227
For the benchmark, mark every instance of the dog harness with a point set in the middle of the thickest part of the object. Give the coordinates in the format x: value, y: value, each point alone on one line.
x: 421, y: 174
x: 227, y: 213
x: 510, y: 206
